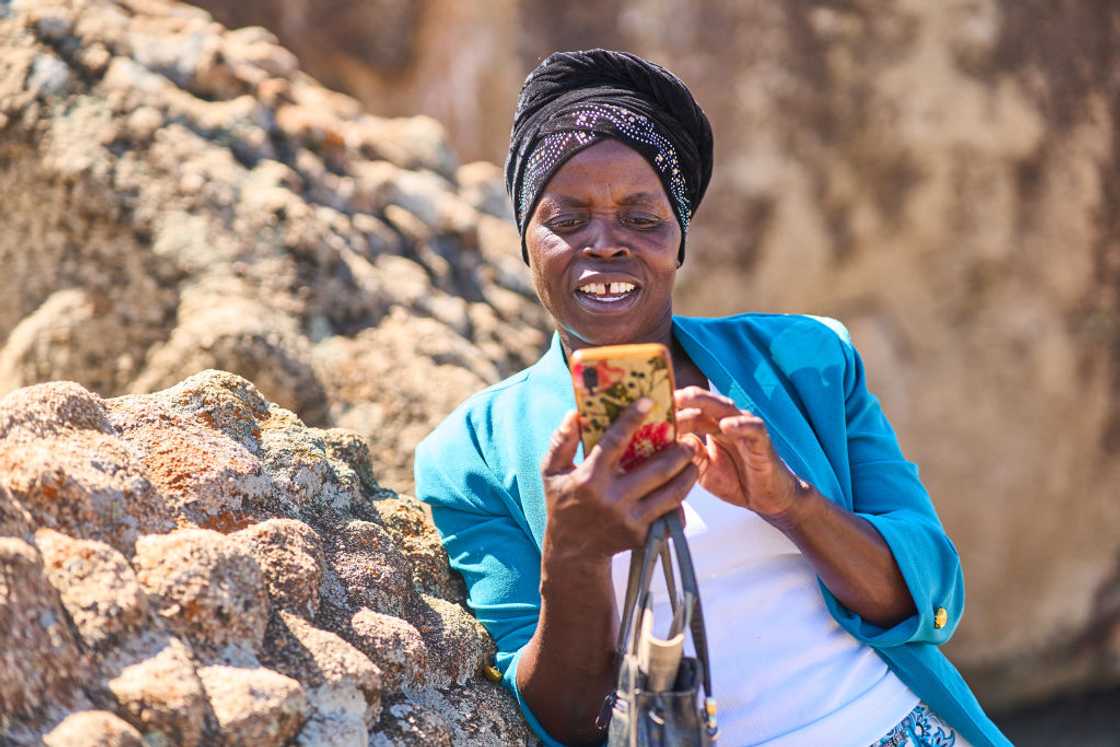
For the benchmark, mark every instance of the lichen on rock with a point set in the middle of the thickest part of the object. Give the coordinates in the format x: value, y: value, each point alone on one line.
x: 96, y: 585
x: 254, y: 706
x: 298, y: 618
x: 161, y: 694
x: 205, y: 586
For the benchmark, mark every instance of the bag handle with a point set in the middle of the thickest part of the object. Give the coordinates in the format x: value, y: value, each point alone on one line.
x: 665, y: 531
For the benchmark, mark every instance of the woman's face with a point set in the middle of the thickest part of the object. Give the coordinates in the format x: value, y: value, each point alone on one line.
x: 602, y: 247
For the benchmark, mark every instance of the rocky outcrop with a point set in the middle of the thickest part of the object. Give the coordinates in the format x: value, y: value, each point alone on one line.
x: 285, y: 608
x: 198, y: 565
x: 178, y: 197
x: 940, y: 176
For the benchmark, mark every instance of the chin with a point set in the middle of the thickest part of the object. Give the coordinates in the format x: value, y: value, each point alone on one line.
x: 620, y: 332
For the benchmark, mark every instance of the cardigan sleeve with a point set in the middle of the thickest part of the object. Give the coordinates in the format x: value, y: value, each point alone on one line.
x: 888, y: 493
x: 496, y: 556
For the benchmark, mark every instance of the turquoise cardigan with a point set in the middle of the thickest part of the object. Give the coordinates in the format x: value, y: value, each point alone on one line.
x: 480, y: 472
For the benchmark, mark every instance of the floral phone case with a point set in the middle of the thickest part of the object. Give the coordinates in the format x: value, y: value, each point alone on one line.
x: 607, y: 379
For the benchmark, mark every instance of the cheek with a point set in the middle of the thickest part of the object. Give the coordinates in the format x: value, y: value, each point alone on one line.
x: 548, y: 254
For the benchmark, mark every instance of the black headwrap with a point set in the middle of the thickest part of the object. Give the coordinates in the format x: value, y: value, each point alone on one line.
x: 573, y: 99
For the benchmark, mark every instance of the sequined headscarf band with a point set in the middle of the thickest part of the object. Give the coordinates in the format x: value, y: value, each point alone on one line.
x: 574, y: 99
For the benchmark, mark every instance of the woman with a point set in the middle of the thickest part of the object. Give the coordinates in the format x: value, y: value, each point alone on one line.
x: 827, y: 579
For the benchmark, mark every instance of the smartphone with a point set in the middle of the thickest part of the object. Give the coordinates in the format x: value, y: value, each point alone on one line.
x: 607, y: 379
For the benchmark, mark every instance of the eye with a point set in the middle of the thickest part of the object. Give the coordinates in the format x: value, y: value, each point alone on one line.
x: 641, y: 220
x: 566, y: 222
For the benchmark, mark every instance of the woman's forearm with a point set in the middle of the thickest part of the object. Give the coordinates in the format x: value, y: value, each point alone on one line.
x: 850, y: 557
x: 569, y: 666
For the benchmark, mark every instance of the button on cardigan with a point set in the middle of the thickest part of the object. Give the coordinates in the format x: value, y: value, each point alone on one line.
x: 479, y: 470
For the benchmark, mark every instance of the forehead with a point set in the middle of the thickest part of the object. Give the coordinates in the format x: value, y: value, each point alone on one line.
x: 607, y: 168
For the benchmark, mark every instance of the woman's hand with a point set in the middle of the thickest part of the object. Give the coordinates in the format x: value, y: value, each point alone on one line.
x: 596, y: 510
x: 733, y: 452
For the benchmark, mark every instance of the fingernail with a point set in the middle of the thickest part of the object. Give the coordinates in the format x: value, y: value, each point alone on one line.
x: 645, y: 404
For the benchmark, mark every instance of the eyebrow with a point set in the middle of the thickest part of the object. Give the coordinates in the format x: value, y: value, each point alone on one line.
x: 635, y: 198
x: 640, y: 198
x: 563, y: 201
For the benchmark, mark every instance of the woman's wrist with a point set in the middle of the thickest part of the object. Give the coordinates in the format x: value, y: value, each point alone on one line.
x: 564, y: 566
x: 804, y: 506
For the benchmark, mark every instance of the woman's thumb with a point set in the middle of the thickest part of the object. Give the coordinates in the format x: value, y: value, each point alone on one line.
x: 562, y: 449
x: 699, y: 450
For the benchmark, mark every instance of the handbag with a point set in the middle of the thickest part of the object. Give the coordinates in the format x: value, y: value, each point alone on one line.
x: 641, y: 716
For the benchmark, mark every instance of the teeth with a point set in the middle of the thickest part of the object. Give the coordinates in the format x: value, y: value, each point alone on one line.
x: 607, y: 289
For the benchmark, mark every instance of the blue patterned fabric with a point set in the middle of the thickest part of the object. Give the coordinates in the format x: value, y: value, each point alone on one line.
x: 921, y: 728
x: 480, y: 473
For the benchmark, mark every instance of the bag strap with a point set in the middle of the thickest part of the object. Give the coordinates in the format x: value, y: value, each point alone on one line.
x: 633, y: 584
x: 638, y: 583
x: 665, y: 531
x: 690, y: 584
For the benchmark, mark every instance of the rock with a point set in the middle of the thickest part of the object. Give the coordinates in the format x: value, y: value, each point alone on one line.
x: 49, y: 75
x: 349, y: 448
x: 96, y: 585
x: 70, y: 336
x: 144, y: 122
x: 181, y: 198
x: 48, y: 25
x: 291, y: 560
x: 414, y: 724
x: 457, y: 643
x: 207, y: 479
x: 93, y: 729
x: 339, y: 678
x: 223, y: 202
x: 162, y: 696
x: 206, y: 586
x: 333, y: 729
x: 51, y: 410
x: 223, y: 401
x: 254, y: 706
x: 237, y: 335
x: 308, y: 479
x: 479, y: 714
x: 86, y: 483
x: 167, y: 629
x: 482, y: 185
x: 394, y: 645
x: 15, y: 520
x: 40, y: 659
x: 371, y: 568
x: 351, y: 369
x: 409, y: 522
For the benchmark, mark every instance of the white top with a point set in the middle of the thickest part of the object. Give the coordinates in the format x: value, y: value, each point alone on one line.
x: 784, y: 673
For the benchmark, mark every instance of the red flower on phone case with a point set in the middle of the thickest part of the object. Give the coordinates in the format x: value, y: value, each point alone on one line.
x: 649, y: 438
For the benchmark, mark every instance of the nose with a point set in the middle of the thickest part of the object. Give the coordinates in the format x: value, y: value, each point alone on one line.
x: 610, y: 250
x: 604, y: 244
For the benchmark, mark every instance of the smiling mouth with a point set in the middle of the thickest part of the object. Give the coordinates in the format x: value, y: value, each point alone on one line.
x: 607, y: 292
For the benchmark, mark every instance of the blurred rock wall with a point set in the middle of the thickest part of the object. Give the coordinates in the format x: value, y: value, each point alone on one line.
x: 940, y: 176
x: 176, y: 196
